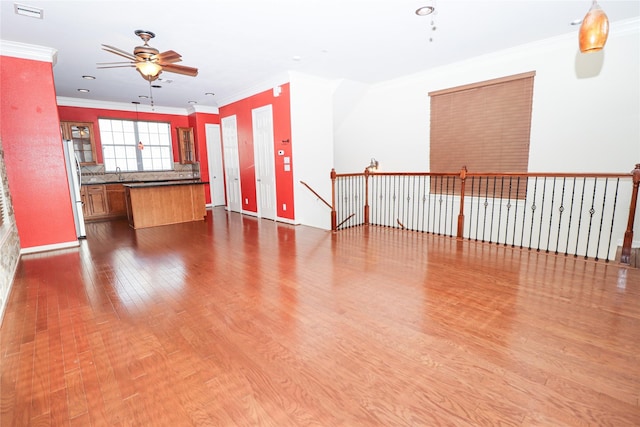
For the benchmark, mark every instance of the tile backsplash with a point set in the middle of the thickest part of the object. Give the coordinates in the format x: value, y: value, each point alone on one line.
x: 95, y: 174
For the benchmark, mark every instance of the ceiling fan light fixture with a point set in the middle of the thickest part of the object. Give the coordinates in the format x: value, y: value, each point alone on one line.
x: 425, y: 10
x: 594, y: 29
x: 148, y: 69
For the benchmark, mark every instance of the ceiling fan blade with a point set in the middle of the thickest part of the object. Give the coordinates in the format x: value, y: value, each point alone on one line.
x: 180, y: 69
x: 116, y: 66
x: 169, y: 57
x: 114, y: 63
x: 117, y: 51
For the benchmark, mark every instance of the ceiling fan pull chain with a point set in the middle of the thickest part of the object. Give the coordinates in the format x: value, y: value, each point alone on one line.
x: 151, y: 96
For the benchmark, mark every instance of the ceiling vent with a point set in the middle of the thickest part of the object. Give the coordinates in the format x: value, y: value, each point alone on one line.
x: 30, y: 11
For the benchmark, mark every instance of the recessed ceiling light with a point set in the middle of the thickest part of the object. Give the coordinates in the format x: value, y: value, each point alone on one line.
x: 30, y: 11
x: 143, y: 97
x: 425, y: 10
x: 135, y: 102
x: 576, y: 21
x: 156, y: 86
x: 84, y: 90
x: 88, y: 77
x: 210, y: 93
x: 192, y: 102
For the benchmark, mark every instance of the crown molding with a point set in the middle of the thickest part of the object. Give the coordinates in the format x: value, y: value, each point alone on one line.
x: 202, y: 109
x: 119, y: 106
x: 28, y: 51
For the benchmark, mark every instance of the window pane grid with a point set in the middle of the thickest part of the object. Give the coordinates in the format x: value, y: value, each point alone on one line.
x: 121, y: 149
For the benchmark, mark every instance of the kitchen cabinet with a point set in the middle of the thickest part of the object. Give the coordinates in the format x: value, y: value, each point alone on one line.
x: 161, y: 203
x: 95, y: 201
x: 116, y: 204
x: 103, y: 201
x: 81, y: 133
x: 186, y: 145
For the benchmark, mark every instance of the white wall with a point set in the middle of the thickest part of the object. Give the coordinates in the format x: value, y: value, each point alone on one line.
x: 312, y: 146
x: 585, y: 118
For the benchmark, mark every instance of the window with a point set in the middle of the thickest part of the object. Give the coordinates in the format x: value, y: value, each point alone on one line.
x: 484, y: 126
x: 135, y: 146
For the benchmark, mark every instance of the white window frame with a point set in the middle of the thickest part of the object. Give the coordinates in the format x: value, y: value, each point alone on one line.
x: 135, y: 146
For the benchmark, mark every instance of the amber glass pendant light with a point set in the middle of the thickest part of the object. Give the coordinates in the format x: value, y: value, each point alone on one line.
x: 594, y: 29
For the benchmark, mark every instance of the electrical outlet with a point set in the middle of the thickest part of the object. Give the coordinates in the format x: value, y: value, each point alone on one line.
x: 284, y: 206
x: 246, y: 201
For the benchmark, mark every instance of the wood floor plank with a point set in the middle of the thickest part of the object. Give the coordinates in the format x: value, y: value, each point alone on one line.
x: 41, y: 384
x: 76, y: 398
x: 240, y: 321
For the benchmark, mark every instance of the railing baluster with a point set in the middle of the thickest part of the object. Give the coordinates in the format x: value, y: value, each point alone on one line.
x: 453, y: 211
x: 500, y: 202
x: 553, y: 199
x: 472, y: 197
x: 573, y: 192
x: 592, y: 211
x: 544, y: 192
x: 420, y: 203
x: 561, y: 210
x: 446, y: 206
x: 533, y: 211
x: 478, y: 210
x: 493, y: 208
x: 515, y: 214
x: 613, y: 217
x: 429, y: 213
x: 604, y: 201
x: 584, y: 187
x: 486, y: 204
x: 506, y: 226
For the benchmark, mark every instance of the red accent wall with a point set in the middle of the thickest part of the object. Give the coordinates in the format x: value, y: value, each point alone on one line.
x: 30, y: 132
x: 282, y: 141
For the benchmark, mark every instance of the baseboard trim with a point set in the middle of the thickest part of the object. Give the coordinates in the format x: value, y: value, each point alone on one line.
x: 47, y: 248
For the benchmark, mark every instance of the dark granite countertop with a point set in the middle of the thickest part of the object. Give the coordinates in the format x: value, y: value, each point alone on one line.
x: 162, y: 183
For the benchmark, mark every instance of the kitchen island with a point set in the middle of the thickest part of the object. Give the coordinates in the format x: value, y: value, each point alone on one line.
x: 150, y: 204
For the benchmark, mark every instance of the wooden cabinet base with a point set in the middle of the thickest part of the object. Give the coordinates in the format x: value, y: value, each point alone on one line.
x: 153, y: 205
x: 102, y: 202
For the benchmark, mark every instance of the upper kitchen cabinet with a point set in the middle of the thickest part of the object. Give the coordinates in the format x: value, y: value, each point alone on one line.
x: 81, y: 134
x: 186, y: 145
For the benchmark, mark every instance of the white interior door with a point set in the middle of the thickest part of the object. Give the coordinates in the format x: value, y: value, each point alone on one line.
x: 264, y: 161
x: 214, y: 154
x: 231, y: 163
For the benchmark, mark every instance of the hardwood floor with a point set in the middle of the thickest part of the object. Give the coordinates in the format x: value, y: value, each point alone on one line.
x: 236, y: 321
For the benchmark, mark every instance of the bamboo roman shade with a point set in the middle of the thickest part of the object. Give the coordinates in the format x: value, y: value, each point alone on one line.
x: 484, y: 126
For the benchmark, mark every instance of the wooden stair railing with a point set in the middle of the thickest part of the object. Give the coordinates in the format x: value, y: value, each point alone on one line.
x: 466, y: 185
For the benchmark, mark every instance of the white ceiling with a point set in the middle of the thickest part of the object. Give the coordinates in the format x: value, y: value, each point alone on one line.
x: 240, y: 44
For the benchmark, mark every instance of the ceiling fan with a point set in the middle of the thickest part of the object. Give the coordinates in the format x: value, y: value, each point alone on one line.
x: 147, y: 60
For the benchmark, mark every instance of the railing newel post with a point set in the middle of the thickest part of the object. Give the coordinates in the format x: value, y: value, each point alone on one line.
x: 367, y: 172
x: 463, y: 177
x: 625, y: 256
x: 334, y: 217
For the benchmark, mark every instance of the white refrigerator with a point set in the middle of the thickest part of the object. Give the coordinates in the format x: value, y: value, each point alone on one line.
x: 74, y: 174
